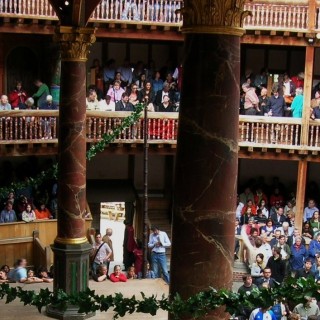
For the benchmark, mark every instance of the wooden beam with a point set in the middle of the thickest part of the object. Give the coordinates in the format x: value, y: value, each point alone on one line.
x: 301, y: 189
x: 16, y: 240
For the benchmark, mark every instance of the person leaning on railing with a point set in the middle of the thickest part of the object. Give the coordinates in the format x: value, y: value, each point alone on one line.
x: 315, y: 106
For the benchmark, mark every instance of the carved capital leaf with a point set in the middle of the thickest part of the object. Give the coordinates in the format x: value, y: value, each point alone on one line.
x: 214, y: 16
x: 75, y: 43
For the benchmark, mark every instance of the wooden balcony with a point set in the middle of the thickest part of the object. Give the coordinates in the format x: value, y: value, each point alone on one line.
x: 268, y: 17
x: 23, y: 132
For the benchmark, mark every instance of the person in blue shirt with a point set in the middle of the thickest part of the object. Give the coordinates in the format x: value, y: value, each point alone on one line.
x: 297, y: 104
x: 8, y: 214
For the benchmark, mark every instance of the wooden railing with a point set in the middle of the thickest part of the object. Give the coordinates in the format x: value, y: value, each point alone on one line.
x: 266, y: 15
x: 275, y: 16
x: 25, y: 127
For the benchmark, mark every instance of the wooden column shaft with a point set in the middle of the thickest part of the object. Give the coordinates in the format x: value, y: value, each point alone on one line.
x: 301, y: 190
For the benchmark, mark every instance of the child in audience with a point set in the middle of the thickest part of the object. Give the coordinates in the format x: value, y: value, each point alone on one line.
x: 3, y: 277
x: 117, y: 275
x: 44, y: 275
x: 131, y: 273
x: 31, y: 277
x: 102, y: 273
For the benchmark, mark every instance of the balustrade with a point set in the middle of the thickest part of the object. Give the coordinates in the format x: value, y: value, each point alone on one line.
x: 36, y: 126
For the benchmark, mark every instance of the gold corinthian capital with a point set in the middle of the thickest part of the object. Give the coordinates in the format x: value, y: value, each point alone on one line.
x: 213, y: 16
x: 74, y: 42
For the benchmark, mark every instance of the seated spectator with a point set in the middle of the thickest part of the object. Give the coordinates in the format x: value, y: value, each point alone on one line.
x: 259, y: 196
x: 290, y: 206
x: 315, y: 104
x: 268, y: 229
x: 43, y: 213
x: 19, y: 273
x: 285, y: 229
x: 252, y: 229
x: 117, y: 275
x: 257, y: 268
x: 246, y: 195
x: 263, y: 102
x: 28, y: 215
x: 316, y: 268
x: 266, y: 280
x: 92, y: 102
x: 164, y: 92
x: 4, y: 104
x: 276, y: 198
x: 290, y: 218
x: 18, y: 96
x: 141, y: 82
x: 150, y: 273
x: 44, y: 275
x: 131, y: 274
x: 306, y: 271
x: 32, y: 278
x: 8, y: 214
x: 263, y: 208
x: 124, y: 104
x: 147, y: 94
x: 291, y: 239
x: 133, y: 94
x: 115, y: 92
x: 5, y: 268
x: 47, y: 122
x: 261, y: 219
x: 106, y: 104
x: 265, y: 247
x: 307, y: 308
x: 21, y: 206
x: 276, y: 237
x: 278, y: 218
x: 251, y: 206
x: 309, y: 210
x: 101, y: 273
x: 166, y: 105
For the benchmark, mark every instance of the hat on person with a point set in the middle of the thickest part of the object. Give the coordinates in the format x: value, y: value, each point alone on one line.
x: 49, y: 97
x: 301, y: 75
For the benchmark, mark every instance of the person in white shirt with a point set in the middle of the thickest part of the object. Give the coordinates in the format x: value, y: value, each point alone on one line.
x: 106, y: 104
x: 158, y: 242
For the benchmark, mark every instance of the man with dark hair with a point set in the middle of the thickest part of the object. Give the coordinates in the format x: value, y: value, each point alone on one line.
x: 277, y: 265
x: 266, y: 281
x: 247, y: 284
x: 276, y: 104
x: 158, y: 242
x: 124, y: 104
x: 306, y: 271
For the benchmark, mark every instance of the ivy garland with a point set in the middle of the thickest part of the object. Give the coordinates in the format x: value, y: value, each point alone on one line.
x: 52, y: 173
x: 198, y: 305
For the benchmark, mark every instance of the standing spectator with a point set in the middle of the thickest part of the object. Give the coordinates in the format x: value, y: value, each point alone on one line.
x: 261, y: 80
x: 28, y: 215
x: 278, y: 218
x: 277, y: 265
x: 247, y: 286
x: 19, y: 273
x: 107, y: 239
x: 284, y: 251
x: 101, y: 253
x: 315, y: 222
x: 126, y: 73
x: 157, y: 82
x: 298, y: 80
x: 109, y: 73
x: 308, y: 308
x: 288, y: 89
x: 276, y: 104
x: 266, y: 281
x: 251, y: 100
x: 297, y: 104
x: 277, y: 198
x: 4, y: 104
x: 298, y: 255
x: 42, y: 92
x: 8, y: 214
x: 138, y: 258
x: 306, y: 271
x: 18, y: 96
x: 158, y: 242
x: 309, y: 210
x: 141, y: 82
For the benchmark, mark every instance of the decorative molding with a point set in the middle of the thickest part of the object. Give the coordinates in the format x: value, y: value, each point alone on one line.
x: 214, y: 16
x: 70, y: 240
x: 74, y: 42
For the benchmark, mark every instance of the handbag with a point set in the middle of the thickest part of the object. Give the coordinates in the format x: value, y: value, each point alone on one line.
x: 94, y: 252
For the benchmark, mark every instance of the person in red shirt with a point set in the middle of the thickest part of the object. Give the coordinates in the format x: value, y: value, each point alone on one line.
x: 18, y: 96
x: 298, y: 80
x: 43, y: 212
x: 252, y: 208
x: 117, y: 275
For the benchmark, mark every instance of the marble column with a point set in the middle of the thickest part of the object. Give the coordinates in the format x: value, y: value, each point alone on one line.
x: 207, y: 152
x: 71, y: 249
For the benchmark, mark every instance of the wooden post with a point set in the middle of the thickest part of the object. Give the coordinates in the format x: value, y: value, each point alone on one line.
x: 301, y: 190
x: 307, y: 90
x: 312, y: 9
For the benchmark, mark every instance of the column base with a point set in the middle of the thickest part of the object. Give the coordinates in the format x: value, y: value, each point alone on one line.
x: 71, y: 313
